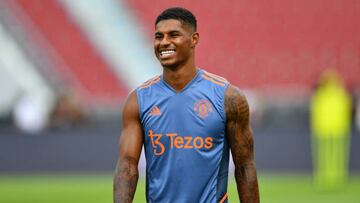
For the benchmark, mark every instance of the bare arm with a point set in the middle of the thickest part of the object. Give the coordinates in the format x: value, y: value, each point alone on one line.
x: 241, y: 142
x: 131, y: 141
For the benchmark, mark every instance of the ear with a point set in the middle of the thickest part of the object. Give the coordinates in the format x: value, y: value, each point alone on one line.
x: 195, y: 37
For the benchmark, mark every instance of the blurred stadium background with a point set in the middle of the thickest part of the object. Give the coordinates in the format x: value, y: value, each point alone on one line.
x: 67, y: 66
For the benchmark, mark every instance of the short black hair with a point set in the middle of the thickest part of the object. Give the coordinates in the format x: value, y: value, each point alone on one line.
x: 178, y: 13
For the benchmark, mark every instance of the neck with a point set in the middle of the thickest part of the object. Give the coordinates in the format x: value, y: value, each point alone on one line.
x: 179, y: 77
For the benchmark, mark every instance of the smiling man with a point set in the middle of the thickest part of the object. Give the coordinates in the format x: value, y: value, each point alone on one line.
x: 187, y: 120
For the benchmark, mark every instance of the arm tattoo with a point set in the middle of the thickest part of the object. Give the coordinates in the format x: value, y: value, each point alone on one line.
x: 125, y: 180
x: 239, y: 135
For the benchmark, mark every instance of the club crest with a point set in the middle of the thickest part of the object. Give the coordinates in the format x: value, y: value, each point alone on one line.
x: 203, y: 108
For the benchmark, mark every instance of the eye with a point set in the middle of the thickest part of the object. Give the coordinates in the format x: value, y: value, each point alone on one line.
x: 174, y: 34
x: 157, y: 36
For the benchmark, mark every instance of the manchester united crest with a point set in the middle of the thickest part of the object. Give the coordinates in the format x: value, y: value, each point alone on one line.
x: 203, y: 108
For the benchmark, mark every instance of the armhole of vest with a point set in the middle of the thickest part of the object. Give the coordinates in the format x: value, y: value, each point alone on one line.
x: 139, y: 103
x: 223, y: 100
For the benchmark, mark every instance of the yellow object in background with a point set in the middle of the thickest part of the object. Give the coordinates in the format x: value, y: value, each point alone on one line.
x: 330, y: 125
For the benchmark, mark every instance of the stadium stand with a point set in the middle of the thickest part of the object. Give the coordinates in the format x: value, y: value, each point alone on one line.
x: 289, y: 42
x: 36, y: 96
x: 78, y: 62
x: 111, y: 27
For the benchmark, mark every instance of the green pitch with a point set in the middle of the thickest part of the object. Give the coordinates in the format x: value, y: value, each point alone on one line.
x: 97, y: 188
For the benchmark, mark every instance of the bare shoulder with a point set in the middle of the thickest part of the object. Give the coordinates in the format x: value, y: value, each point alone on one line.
x: 131, y: 133
x: 236, y: 105
x: 130, y: 109
x: 131, y: 98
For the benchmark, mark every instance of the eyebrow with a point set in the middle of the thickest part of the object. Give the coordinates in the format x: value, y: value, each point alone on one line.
x: 174, y: 31
x: 170, y: 32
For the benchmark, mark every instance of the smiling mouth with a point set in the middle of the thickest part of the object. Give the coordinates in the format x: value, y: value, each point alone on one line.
x: 167, y: 52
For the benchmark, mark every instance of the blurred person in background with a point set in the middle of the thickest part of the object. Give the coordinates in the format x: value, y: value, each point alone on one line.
x: 188, y: 120
x: 68, y: 112
x: 330, y: 127
x: 31, y: 117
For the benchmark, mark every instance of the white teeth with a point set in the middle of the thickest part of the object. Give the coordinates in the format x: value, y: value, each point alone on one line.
x: 167, y: 52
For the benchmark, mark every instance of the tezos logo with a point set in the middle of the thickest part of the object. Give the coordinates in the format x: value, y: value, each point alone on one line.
x: 179, y: 142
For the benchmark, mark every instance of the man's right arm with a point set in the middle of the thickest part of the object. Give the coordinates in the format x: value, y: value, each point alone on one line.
x: 131, y: 141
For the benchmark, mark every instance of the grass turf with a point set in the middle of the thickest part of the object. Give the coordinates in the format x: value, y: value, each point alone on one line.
x: 97, y: 188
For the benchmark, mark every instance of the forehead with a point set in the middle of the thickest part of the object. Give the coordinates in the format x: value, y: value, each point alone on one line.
x: 170, y: 25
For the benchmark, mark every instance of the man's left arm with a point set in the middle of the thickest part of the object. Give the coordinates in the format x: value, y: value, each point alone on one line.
x: 240, y: 138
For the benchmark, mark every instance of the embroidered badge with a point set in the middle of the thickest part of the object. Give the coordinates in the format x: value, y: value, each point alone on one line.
x: 203, y: 108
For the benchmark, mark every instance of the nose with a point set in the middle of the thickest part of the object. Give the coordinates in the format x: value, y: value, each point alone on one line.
x: 165, y: 41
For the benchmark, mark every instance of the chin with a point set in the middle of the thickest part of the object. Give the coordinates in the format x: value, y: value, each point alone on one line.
x: 169, y: 64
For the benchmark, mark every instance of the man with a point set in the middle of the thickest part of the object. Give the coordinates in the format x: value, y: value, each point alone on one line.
x: 186, y: 119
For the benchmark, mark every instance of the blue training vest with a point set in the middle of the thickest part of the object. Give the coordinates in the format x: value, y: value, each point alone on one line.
x: 187, y: 154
